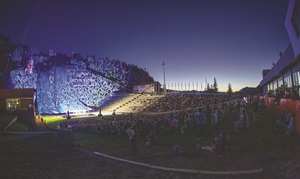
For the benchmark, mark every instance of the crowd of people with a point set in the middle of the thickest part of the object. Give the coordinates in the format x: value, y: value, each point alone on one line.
x: 286, y: 122
x: 181, y: 101
x: 174, y: 120
x: 199, y: 121
x: 218, y: 145
x: 253, y: 105
x: 284, y: 93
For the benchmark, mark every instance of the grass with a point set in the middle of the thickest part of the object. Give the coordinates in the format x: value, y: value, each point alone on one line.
x: 19, y: 125
x: 259, y: 136
x: 252, y: 144
x: 54, y: 120
x: 260, y: 146
x: 5, y: 120
x: 41, y: 157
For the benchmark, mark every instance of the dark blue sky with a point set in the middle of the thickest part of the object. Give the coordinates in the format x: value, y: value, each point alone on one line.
x: 232, y: 40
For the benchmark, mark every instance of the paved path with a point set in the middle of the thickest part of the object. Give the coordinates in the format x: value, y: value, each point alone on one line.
x: 182, y: 170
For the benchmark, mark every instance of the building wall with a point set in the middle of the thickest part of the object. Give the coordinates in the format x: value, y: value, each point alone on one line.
x: 148, y: 88
x: 24, y: 96
x: 293, y: 15
x: 27, y: 116
x: 287, y: 70
x: 26, y: 103
x: 2, y: 105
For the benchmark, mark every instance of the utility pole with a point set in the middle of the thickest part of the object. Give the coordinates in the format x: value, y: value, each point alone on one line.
x: 164, y: 86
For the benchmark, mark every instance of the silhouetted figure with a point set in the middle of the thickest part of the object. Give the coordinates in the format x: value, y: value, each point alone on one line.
x: 132, y: 138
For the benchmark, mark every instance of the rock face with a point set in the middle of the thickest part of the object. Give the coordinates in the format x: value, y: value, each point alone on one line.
x: 68, y: 82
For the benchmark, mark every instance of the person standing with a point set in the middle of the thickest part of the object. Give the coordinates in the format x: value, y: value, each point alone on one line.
x: 290, y: 124
x: 132, y: 138
x: 201, y: 123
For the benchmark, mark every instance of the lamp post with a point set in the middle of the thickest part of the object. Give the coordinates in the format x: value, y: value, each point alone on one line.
x: 164, y: 86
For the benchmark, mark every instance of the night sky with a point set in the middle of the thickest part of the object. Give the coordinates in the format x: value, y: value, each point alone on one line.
x: 232, y: 40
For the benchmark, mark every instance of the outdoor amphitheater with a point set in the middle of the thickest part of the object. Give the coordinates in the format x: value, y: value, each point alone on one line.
x: 68, y: 117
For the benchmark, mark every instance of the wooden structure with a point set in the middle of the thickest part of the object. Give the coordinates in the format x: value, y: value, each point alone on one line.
x: 20, y: 101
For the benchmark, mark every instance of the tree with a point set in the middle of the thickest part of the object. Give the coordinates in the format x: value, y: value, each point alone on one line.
x: 215, y: 86
x: 229, y: 90
x: 207, y: 88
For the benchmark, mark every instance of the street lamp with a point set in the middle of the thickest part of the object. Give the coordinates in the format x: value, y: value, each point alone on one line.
x: 164, y: 86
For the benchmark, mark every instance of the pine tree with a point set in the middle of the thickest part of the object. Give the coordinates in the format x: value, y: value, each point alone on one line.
x: 229, y: 90
x: 208, y: 88
x: 215, y: 86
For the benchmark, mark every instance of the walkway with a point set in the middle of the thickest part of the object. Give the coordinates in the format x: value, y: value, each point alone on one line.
x: 242, y: 172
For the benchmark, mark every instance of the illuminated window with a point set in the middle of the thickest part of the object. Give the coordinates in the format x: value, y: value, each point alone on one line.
x: 275, y: 84
x: 269, y: 87
x: 288, y: 81
x: 296, y: 78
x: 280, y: 81
x: 12, y: 104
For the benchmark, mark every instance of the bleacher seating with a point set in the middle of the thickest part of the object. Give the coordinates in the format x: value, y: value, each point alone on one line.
x: 132, y: 103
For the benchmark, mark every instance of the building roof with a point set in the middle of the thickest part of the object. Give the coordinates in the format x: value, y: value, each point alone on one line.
x: 148, y: 83
x: 17, y: 93
x: 285, y: 60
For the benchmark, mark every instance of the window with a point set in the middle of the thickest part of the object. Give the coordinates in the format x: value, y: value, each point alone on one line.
x: 270, y: 87
x: 12, y: 104
x: 288, y: 81
x: 275, y: 84
x: 296, y: 77
x: 280, y: 81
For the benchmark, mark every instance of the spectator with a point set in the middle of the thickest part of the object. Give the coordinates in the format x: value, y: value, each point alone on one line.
x: 254, y: 107
x: 290, y: 124
x: 185, y: 123
x: 295, y: 93
x: 282, y: 122
x: 132, y: 138
x: 287, y: 94
x: 239, y: 124
x: 176, y: 151
x: 201, y: 124
x: 221, y: 142
x: 279, y: 95
x: 151, y: 138
x: 218, y: 145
